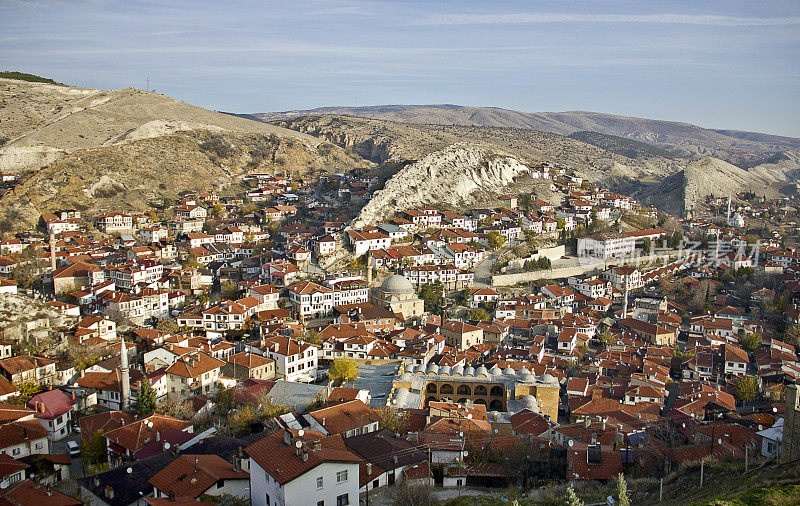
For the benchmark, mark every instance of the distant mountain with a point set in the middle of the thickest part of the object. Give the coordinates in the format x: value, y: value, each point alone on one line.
x: 687, y: 139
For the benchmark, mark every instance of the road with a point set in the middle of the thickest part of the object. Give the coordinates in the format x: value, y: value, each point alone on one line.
x: 483, y: 270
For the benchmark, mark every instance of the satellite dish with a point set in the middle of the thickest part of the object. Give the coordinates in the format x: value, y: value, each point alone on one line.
x: 301, y: 432
x: 299, y: 444
x: 571, y: 442
x: 495, y: 431
x: 469, y: 416
x: 129, y: 470
x: 466, y: 454
x: 167, y: 446
x: 719, y: 440
x: 760, y: 427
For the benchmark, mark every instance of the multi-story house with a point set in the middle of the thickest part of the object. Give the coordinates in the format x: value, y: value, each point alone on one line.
x: 348, y: 290
x: 194, y: 373
x: 242, y: 366
x: 229, y: 315
x: 28, y: 369
x: 294, y: 360
x: 111, y: 223
x: 53, y: 409
x: 368, y: 239
x: 267, y: 296
x: 310, y: 300
x: 295, y: 468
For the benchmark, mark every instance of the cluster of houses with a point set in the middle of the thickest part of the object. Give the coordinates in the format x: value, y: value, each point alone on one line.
x: 593, y: 373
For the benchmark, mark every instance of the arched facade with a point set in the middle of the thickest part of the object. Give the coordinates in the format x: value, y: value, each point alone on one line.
x: 477, y: 392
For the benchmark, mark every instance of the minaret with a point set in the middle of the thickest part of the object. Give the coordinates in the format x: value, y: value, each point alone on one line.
x: 126, y: 377
x: 625, y: 301
x: 53, y: 251
x: 728, y: 218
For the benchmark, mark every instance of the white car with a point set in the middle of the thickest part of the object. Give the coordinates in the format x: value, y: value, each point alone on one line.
x: 74, y: 449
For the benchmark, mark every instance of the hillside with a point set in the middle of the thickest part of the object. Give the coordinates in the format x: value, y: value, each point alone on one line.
x: 447, y: 178
x: 98, y: 150
x: 43, y: 122
x: 734, y: 146
x: 659, y: 180
x: 620, y: 145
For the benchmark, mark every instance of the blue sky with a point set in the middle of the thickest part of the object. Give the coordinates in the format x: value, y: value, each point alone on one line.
x: 722, y: 64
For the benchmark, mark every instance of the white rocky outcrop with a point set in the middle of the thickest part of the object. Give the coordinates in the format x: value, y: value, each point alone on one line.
x: 448, y: 177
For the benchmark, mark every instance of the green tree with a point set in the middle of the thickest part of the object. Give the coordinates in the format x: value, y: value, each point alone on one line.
x: 146, y: 400
x: 750, y: 341
x: 571, y: 498
x: 622, y: 491
x: 343, y: 369
x: 745, y: 388
x: 494, y: 239
x: 479, y: 313
x: 93, y: 450
x: 431, y: 294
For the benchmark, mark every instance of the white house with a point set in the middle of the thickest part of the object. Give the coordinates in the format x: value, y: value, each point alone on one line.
x: 299, y: 468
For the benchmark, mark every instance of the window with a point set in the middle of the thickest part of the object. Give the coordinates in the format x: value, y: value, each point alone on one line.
x: 38, y: 446
x: 319, y: 482
x: 16, y: 451
x: 341, y: 477
x: 320, y: 503
x: 343, y: 500
x: 267, y: 499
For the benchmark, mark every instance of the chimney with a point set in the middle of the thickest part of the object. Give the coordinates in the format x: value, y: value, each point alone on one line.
x: 158, y: 436
x: 41, y: 408
x: 73, y: 395
x: 305, y: 456
x: 369, y: 468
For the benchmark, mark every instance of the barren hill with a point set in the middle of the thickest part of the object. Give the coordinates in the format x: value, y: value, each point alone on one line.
x: 448, y: 178
x: 42, y: 122
x: 649, y: 174
x: 123, y: 150
x: 689, y: 139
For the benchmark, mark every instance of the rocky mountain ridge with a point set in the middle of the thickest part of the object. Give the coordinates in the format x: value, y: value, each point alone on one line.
x: 446, y: 178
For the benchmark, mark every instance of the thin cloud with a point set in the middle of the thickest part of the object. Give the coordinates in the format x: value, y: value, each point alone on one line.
x: 683, y: 19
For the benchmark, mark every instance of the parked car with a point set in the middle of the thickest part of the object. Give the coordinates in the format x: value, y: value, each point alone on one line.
x: 74, y: 449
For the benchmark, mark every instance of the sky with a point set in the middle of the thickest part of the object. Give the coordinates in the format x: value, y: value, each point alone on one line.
x: 720, y: 64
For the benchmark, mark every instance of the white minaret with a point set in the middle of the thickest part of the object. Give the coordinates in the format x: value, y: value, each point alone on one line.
x: 126, y: 377
x: 728, y: 218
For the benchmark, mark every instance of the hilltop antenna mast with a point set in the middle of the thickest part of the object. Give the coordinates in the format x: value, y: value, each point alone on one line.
x: 148, y: 84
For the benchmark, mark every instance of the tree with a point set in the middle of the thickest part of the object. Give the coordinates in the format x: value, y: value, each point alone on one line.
x: 792, y: 335
x: 411, y: 495
x: 745, y: 389
x: 431, y: 294
x: 571, y: 498
x: 750, y: 341
x: 622, y: 491
x: 494, y: 239
x: 392, y: 419
x: 343, y: 369
x: 479, y: 313
x: 146, y: 400
x: 93, y: 450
